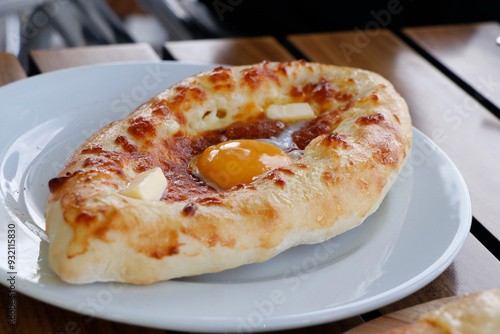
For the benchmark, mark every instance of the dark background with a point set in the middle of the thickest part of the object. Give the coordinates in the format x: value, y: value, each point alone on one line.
x: 281, y: 17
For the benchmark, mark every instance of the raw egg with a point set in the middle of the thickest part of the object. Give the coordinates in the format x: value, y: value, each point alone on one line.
x: 239, y: 161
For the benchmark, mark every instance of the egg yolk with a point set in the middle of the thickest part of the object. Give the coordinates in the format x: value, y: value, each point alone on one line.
x: 239, y: 161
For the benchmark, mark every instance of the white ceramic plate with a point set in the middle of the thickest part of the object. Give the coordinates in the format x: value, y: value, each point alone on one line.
x: 411, y: 239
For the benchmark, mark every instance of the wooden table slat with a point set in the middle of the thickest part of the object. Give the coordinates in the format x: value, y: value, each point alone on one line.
x: 56, y: 59
x: 34, y: 316
x: 11, y: 69
x: 468, y: 50
x: 231, y: 51
x: 464, y: 129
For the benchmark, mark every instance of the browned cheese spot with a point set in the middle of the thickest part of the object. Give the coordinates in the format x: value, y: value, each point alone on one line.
x: 185, y: 97
x: 343, y: 96
x: 254, y: 77
x: 160, y: 108
x: 209, y: 201
x: 222, y: 79
x: 275, y: 176
x: 370, y: 119
x: 141, y: 128
x: 319, y: 92
x: 97, y: 162
x: 335, y: 140
x: 126, y: 145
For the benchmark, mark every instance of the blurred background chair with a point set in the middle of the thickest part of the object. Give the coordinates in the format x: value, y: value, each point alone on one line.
x: 26, y: 25
x: 42, y: 24
x: 188, y: 19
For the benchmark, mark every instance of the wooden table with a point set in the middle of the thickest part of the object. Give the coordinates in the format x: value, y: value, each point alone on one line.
x: 450, y: 77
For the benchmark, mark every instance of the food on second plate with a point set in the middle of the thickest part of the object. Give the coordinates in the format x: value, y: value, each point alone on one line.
x: 476, y: 313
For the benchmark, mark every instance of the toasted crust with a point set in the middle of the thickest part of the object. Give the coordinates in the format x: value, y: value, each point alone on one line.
x: 473, y: 313
x: 417, y: 328
x: 353, y: 152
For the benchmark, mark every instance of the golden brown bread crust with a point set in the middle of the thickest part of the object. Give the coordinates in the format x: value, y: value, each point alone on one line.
x: 417, y: 328
x: 354, y: 149
x: 475, y: 313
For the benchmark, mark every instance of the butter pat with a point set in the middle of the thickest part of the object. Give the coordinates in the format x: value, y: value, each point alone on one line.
x: 293, y: 112
x: 148, y: 185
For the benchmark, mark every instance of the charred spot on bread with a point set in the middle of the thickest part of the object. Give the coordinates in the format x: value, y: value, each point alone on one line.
x: 321, y: 91
x: 189, y: 210
x: 141, y: 128
x: 126, y: 145
x: 253, y: 77
x: 343, y: 96
x: 276, y: 178
x: 370, y: 119
x: 222, y: 79
x: 92, y: 150
x: 335, y: 140
x: 97, y: 162
x: 161, y: 110
x: 187, y: 95
x: 209, y: 201
x: 57, y: 182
